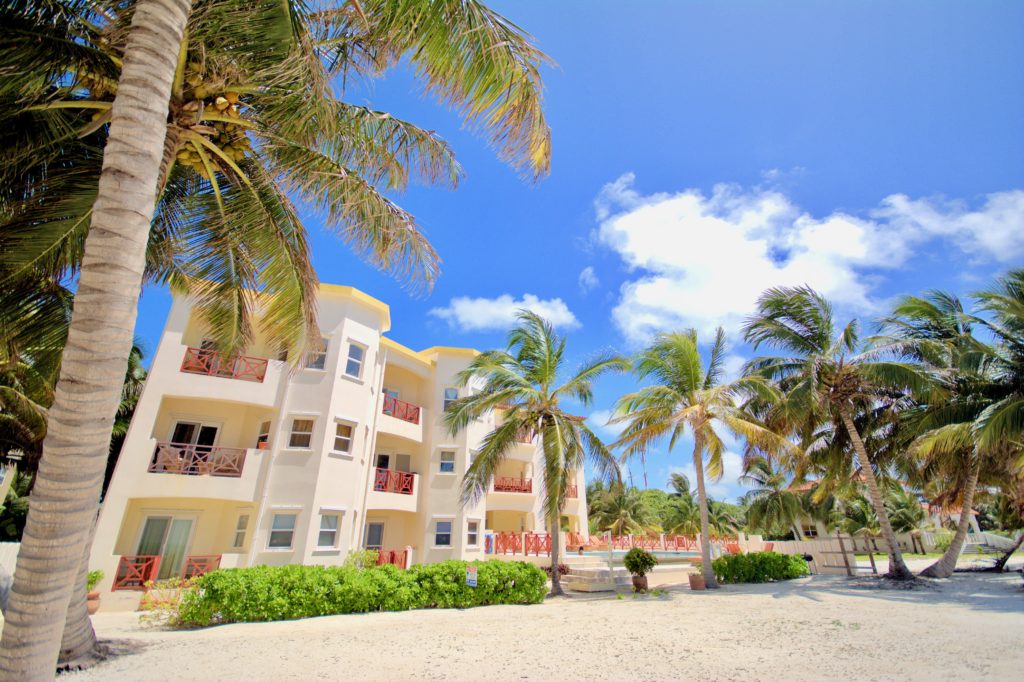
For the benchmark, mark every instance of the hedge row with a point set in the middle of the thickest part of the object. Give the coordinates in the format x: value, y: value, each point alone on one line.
x: 758, y: 567
x: 264, y: 593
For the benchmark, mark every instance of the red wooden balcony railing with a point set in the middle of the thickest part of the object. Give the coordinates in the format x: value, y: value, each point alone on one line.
x: 399, y: 409
x: 198, y: 564
x: 524, y: 436
x: 507, y: 543
x: 214, y: 364
x: 133, y: 572
x: 536, y: 544
x: 510, y: 484
x: 197, y: 460
x: 572, y: 491
x: 395, y: 557
x: 390, y: 481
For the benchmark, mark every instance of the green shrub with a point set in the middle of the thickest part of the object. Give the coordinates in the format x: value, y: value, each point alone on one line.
x: 92, y: 579
x: 263, y: 593
x: 639, y: 561
x: 942, y: 541
x: 758, y: 567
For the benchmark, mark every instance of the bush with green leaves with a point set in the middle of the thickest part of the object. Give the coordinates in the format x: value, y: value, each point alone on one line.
x: 758, y: 567
x: 943, y: 540
x: 639, y: 561
x: 262, y: 593
x: 92, y: 579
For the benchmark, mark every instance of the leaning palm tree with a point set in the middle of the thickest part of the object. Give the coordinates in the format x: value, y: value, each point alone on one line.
x: 773, y: 504
x: 825, y: 380
x: 524, y: 381
x: 272, y: 64
x: 687, y: 398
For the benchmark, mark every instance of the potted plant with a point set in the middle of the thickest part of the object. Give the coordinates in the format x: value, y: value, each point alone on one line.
x: 697, y: 579
x: 639, y: 562
x: 92, y: 597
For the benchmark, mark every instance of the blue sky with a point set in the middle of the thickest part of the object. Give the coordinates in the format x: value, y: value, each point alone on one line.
x: 703, y: 151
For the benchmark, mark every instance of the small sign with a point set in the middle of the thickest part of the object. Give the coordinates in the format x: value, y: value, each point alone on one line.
x: 471, y: 576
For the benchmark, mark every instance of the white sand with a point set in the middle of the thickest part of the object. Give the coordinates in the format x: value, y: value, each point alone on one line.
x: 967, y: 628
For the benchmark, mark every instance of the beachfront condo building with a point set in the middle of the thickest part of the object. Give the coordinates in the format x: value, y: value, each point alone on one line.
x: 247, y: 460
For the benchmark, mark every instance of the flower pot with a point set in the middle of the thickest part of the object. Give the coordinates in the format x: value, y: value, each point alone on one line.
x: 697, y: 581
x: 639, y: 583
x: 92, y: 602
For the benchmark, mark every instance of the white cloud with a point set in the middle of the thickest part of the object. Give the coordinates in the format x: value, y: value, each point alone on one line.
x: 702, y: 260
x: 485, y: 314
x: 598, y: 421
x: 588, y: 280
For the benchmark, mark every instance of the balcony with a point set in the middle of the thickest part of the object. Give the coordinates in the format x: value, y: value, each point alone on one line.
x: 401, y: 419
x: 394, y: 490
x: 202, y: 471
x: 214, y: 364
x: 399, y: 409
x: 133, y: 572
x: 511, y: 484
x: 197, y: 460
x: 571, y: 491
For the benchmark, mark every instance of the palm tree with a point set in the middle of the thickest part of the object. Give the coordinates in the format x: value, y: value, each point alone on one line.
x: 680, y: 485
x: 906, y: 514
x: 773, y: 504
x: 523, y: 380
x: 825, y: 380
x: 280, y: 59
x: 623, y: 511
x: 860, y: 520
x: 688, y: 398
x: 683, y: 517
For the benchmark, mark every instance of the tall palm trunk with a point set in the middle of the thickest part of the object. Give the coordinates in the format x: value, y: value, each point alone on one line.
x: 897, y: 569
x: 63, y: 504
x: 944, y: 567
x: 556, y: 555
x: 78, y: 646
x: 702, y: 501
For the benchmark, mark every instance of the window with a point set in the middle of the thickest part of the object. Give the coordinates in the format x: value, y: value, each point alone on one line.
x: 447, y: 462
x: 302, y: 433
x: 443, y: 534
x: 240, y: 528
x: 354, y: 365
x: 281, y: 531
x: 472, y: 533
x: 343, y: 438
x: 264, y: 437
x: 282, y: 355
x: 328, y: 531
x: 810, y: 531
x: 317, y: 359
x: 450, y: 396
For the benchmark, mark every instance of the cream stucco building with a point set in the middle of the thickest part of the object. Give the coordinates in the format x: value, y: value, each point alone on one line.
x: 245, y: 461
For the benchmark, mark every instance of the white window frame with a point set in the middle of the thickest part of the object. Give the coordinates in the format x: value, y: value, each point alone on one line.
x: 362, y: 361
x: 292, y: 432
x: 441, y: 462
x: 317, y: 359
x: 336, y: 530
x: 473, y: 543
x: 270, y: 533
x: 445, y: 400
x: 241, y: 530
x: 450, y: 533
x: 351, y: 437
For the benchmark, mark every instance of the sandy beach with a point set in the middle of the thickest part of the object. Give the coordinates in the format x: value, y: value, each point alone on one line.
x: 815, y: 628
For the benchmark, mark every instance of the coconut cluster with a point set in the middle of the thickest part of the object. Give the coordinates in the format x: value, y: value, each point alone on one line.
x: 229, y: 137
